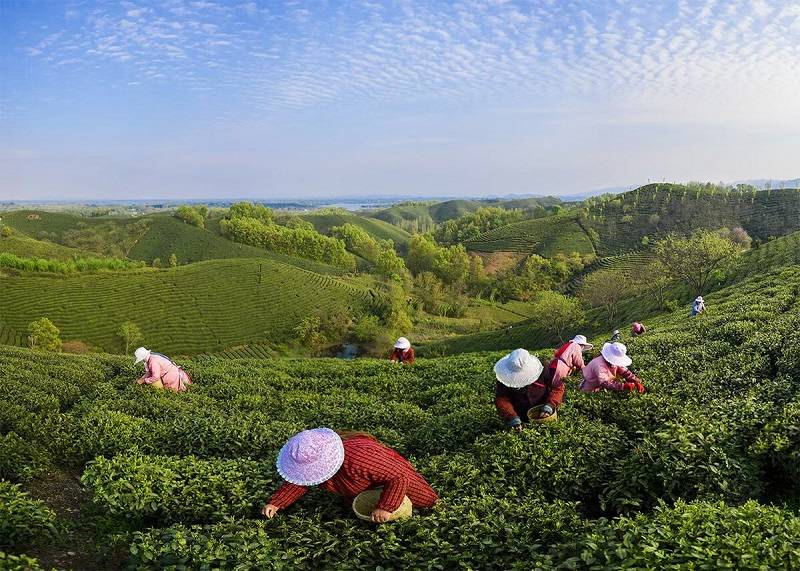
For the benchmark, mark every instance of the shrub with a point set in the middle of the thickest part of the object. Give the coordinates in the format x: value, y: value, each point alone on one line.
x: 21, y: 460
x: 44, y: 335
x: 22, y: 518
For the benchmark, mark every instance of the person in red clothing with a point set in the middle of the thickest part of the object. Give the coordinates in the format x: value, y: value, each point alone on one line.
x: 637, y: 329
x: 403, y: 352
x: 347, y: 465
x: 567, y: 359
x: 521, y: 385
x: 604, y: 372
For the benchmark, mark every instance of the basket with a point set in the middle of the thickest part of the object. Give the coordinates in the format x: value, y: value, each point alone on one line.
x: 365, y: 502
x: 533, y: 415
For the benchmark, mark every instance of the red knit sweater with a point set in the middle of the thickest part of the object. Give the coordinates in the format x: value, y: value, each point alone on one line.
x: 367, y: 465
x: 404, y: 356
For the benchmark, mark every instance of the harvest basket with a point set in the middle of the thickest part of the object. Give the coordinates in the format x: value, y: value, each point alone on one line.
x: 365, y: 502
x: 534, y: 412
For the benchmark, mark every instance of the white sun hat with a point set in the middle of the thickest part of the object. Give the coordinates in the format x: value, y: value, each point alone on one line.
x: 402, y: 343
x: 616, y: 354
x: 518, y: 369
x: 699, y: 298
x: 581, y: 340
x: 141, y: 354
x: 311, y: 457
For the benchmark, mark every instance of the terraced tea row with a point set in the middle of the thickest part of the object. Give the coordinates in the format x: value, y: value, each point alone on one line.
x: 544, y: 236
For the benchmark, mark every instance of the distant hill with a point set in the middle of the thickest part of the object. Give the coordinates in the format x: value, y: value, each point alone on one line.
x: 203, y: 307
x: 30, y: 248
x: 376, y: 228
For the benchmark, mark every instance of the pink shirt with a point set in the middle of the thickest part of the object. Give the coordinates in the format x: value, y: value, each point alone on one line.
x: 600, y: 374
x: 161, y: 368
x: 570, y: 360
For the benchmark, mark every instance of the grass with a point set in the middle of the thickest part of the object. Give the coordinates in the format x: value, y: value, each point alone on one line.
x: 544, y: 236
x: 204, y: 307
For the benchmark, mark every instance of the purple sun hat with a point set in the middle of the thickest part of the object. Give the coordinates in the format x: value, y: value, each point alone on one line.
x: 311, y: 457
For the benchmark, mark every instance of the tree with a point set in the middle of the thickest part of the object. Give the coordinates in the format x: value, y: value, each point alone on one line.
x: 44, y: 335
x: 697, y: 259
x: 194, y: 215
x: 605, y: 288
x: 653, y: 280
x: 558, y: 313
x: 6, y: 232
x: 130, y: 334
x: 173, y: 261
x: 156, y: 262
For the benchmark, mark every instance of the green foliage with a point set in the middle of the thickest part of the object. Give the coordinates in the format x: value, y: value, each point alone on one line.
x: 474, y: 224
x: 6, y: 231
x: 71, y: 266
x: 605, y: 289
x: 10, y: 562
x: 557, y: 233
x: 44, y: 335
x: 22, y: 518
x: 21, y: 460
x: 173, y: 261
x: 194, y: 215
x: 449, y: 264
x: 559, y: 313
x: 695, y: 260
x: 131, y: 335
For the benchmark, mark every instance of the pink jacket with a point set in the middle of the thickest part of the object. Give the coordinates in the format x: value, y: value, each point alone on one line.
x: 569, y: 361
x: 161, y: 368
x: 600, y: 374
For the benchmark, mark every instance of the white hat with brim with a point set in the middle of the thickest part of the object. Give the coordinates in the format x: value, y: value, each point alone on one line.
x: 616, y: 354
x: 141, y: 354
x: 402, y: 343
x: 699, y: 298
x: 311, y: 457
x: 518, y: 369
x: 582, y: 341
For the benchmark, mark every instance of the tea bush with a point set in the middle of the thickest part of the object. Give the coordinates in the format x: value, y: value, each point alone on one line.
x: 22, y: 518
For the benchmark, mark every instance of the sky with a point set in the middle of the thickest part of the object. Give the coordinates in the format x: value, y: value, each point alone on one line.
x: 292, y: 99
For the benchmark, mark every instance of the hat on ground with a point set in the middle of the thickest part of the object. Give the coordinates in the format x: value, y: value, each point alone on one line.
x: 581, y: 340
x: 402, y: 343
x: 311, y: 457
x: 518, y: 369
x: 616, y: 354
x: 699, y: 298
x: 141, y: 354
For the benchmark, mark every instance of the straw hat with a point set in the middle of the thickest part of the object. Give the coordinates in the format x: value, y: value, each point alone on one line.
x: 699, y: 298
x: 402, y: 343
x: 582, y: 341
x: 518, y: 369
x: 365, y: 502
x: 616, y: 354
x: 141, y: 354
x: 311, y: 457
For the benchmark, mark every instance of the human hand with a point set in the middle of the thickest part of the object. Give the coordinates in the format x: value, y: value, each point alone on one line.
x: 547, y: 410
x: 140, y: 382
x: 380, y: 516
x: 517, y: 428
x: 269, y: 511
x: 640, y: 387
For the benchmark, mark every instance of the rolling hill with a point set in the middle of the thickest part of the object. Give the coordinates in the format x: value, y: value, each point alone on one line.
x: 31, y: 248
x: 203, y: 307
x: 378, y: 229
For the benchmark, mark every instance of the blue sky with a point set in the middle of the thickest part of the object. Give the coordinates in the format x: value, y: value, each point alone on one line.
x: 205, y: 98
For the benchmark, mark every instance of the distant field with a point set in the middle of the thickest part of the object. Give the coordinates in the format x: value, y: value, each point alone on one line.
x: 204, y: 307
x: 376, y: 228
x: 31, y: 248
x: 544, y: 236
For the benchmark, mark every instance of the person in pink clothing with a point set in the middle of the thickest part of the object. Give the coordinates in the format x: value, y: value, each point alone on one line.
x: 568, y: 358
x: 605, y: 371
x: 161, y: 372
x: 637, y: 329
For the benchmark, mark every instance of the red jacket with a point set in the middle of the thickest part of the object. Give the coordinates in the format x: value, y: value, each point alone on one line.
x: 515, y: 403
x: 367, y: 465
x: 406, y: 357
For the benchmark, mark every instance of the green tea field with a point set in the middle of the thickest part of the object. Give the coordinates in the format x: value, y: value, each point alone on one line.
x: 699, y: 472
x: 544, y: 236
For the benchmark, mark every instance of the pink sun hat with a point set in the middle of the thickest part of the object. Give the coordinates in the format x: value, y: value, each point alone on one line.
x: 311, y: 457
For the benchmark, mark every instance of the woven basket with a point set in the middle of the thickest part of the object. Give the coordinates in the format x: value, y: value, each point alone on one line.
x: 533, y: 415
x: 365, y: 502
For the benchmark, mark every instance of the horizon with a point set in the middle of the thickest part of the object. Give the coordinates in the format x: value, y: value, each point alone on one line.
x: 313, y: 100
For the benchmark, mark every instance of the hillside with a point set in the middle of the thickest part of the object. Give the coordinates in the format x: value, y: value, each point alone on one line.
x: 376, y: 228
x: 31, y: 248
x: 547, y: 237
x: 700, y: 468
x: 202, y: 307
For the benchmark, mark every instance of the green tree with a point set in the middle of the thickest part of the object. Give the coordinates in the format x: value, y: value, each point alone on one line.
x: 192, y: 215
x: 652, y: 279
x: 606, y: 288
x: 156, y: 262
x: 130, y: 334
x: 697, y: 259
x: 173, y: 261
x: 44, y: 335
x: 558, y: 313
x: 6, y: 232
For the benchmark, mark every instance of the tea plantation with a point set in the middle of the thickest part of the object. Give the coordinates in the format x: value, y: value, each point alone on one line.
x: 544, y: 236
x: 178, y: 309
x: 700, y: 472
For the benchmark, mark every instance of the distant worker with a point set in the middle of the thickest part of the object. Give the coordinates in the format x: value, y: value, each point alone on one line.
x: 699, y: 306
x: 616, y: 337
x: 161, y: 372
x: 638, y: 329
x: 521, y: 385
x: 347, y: 464
x: 604, y: 371
x: 403, y: 352
x: 567, y: 359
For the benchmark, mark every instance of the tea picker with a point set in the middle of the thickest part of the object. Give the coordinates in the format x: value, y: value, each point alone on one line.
x: 568, y: 358
x: 604, y: 371
x: 350, y: 464
x: 698, y: 306
x: 403, y: 352
x: 523, y: 386
x: 161, y: 372
x: 637, y: 329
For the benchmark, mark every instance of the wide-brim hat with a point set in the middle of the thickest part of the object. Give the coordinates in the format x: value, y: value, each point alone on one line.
x: 616, y: 354
x: 402, y: 343
x: 582, y: 341
x: 518, y: 369
x: 311, y: 457
x: 699, y: 298
x: 141, y: 354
